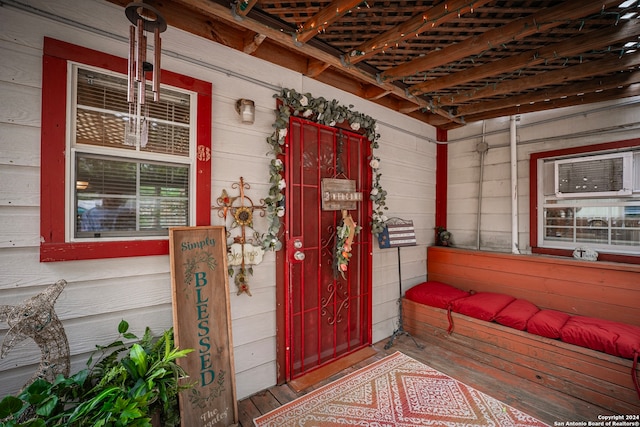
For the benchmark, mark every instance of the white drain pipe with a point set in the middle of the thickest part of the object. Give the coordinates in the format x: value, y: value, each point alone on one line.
x: 514, y: 185
x: 481, y: 148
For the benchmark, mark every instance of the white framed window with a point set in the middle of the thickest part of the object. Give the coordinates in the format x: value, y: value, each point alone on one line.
x: 133, y: 169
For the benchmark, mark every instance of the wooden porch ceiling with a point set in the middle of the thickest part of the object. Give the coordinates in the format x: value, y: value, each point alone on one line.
x: 446, y: 63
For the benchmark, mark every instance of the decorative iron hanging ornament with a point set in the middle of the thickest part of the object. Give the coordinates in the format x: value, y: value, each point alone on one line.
x: 243, y: 253
x: 144, y: 18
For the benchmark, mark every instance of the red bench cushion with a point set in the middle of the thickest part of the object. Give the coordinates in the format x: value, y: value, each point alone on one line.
x: 482, y: 305
x: 609, y: 337
x: 547, y: 323
x: 517, y: 314
x: 435, y: 294
x: 628, y: 343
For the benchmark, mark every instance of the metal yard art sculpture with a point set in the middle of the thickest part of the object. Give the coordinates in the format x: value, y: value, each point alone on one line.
x: 36, y: 318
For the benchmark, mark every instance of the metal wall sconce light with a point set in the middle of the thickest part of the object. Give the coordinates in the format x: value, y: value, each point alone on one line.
x: 247, y: 110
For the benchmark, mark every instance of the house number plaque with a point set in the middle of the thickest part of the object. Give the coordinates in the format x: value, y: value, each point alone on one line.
x: 202, y: 321
x: 339, y: 194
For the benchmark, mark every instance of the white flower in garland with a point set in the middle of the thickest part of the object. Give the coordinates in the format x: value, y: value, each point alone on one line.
x: 329, y: 113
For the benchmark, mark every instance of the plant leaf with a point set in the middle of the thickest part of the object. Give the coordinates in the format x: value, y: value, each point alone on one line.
x: 9, y: 405
x: 123, y: 326
x: 47, y: 406
x: 88, y: 406
x: 139, y: 357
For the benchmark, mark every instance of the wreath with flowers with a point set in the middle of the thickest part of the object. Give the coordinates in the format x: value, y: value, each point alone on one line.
x: 328, y: 113
x: 345, y: 232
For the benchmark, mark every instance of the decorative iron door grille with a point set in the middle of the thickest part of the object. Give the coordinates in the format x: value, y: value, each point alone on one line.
x: 328, y: 315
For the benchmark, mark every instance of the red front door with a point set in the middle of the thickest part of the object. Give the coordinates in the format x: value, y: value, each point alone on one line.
x: 326, y: 316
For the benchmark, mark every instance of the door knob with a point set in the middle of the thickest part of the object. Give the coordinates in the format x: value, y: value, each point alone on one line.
x: 297, y: 244
x: 299, y: 256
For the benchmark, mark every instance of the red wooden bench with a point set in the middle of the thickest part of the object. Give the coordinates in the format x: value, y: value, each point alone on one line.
x: 602, y: 290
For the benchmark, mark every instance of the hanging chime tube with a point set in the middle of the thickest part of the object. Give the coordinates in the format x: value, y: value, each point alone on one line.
x: 139, y: 50
x: 132, y: 65
x: 141, y: 58
x: 157, y: 48
x: 142, y: 90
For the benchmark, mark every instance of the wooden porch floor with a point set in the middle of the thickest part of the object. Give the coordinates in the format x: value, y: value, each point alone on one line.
x: 546, y: 405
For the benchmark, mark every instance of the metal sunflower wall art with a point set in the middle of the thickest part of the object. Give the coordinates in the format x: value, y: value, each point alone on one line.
x: 243, y: 216
x: 243, y: 242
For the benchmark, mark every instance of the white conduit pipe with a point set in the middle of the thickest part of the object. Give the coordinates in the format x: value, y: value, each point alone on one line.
x: 514, y: 185
x: 482, y: 149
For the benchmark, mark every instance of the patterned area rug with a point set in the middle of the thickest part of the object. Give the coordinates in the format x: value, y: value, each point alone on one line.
x: 396, y: 391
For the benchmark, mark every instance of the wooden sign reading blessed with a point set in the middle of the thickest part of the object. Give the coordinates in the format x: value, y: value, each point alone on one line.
x: 202, y: 321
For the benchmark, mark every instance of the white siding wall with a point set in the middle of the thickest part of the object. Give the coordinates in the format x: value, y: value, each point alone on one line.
x: 536, y: 132
x: 102, y: 292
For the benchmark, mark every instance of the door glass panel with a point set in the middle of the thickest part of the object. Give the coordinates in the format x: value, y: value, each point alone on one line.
x: 295, y: 156
x: 295, y: 272
x: 310, y: 212
x: 310, y: 292
x: 310, y: 156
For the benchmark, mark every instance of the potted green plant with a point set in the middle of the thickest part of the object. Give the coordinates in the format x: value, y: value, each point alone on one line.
x: 134, y: 383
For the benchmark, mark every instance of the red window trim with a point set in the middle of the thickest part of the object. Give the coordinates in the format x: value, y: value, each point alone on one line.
x: 533, y: 198
x: 53, y: 246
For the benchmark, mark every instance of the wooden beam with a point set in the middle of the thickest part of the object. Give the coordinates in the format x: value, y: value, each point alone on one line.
x: 253, y: 43
x: 358, y: 76
x: 315, y: 67
x: 587, y: 69
x: 189, y: 20
x: 420, y: 23
x: 597, y: 39
x: 516, y: 30
x: 544, y: 95
x: 606, y: 95
x: 242, y: 7
x: 374, y: 92
x: 324, y: 18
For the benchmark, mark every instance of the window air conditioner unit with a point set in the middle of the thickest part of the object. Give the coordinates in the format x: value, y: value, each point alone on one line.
x: 595, y: 176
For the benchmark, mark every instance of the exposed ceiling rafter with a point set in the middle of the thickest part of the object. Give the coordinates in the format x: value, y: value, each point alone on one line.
x: 443, y: 62
x: 323, y: 19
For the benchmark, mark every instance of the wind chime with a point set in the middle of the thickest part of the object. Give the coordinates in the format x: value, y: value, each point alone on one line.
x: 145, y: 19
